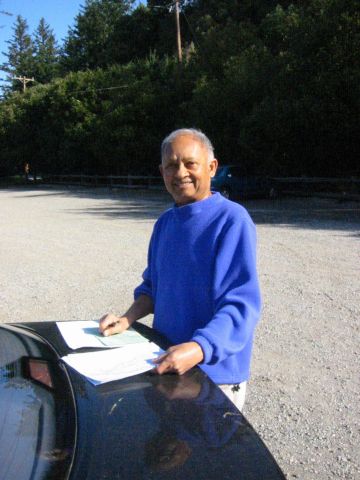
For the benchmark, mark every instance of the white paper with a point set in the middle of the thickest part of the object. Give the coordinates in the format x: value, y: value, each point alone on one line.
x: 108, y: 365
x: 79, y: 334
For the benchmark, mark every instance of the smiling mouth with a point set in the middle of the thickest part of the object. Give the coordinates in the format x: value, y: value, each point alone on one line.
x: 183, y: 184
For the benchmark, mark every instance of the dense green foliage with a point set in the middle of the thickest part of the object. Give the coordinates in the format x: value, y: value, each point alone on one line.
x: 275, y: 85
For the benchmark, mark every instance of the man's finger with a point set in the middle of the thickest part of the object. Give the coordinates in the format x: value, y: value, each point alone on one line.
x: 163, y: 367
x: 160, y: 358
x: 112, y: 329
x: 107, y: 322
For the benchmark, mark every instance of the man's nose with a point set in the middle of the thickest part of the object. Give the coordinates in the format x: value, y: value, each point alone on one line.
x: 181, y: 170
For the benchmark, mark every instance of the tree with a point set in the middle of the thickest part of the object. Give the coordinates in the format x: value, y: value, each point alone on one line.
x: 46, y: 53
x: 20, y: 61
x: 278, y: 91
x: 89, y: 42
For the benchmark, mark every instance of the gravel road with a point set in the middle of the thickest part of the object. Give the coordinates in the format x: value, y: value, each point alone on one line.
x: 71, y: 254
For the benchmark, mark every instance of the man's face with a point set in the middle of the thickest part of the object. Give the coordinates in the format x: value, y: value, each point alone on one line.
x: 186, y: 170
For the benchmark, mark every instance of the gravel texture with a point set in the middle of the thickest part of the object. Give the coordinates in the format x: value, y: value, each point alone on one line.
x: 71, y: 254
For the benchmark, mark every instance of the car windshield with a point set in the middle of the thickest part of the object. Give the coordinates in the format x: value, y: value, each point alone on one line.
x: 37, y: 410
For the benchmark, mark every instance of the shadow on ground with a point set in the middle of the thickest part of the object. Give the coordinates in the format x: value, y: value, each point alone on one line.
x: 305, y: 212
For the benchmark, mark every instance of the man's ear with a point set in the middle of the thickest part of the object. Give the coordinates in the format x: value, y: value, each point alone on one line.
x: 213, y: 167
x: 161, y: 169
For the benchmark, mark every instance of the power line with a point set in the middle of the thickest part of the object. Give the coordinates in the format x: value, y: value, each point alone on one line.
x: 196, y: 41
x: 97, y: 89
x: 192, y: 31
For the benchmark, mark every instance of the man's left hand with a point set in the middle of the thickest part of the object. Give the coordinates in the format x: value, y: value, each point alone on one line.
x: 179, y: 358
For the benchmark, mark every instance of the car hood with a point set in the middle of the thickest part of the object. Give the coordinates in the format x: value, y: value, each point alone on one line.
x: 150, y: 427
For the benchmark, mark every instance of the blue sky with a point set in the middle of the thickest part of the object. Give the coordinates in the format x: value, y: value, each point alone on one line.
x: 59, y: 14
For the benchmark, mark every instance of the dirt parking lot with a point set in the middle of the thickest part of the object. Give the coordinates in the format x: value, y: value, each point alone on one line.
x: 76, y: 254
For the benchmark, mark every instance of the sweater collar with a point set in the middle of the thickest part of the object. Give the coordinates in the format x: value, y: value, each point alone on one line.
x: 187, y: 211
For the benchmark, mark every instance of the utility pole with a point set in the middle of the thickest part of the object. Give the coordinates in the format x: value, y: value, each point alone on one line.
x: 178, y: 32
x: 177, y: 21
x: 24, y: 81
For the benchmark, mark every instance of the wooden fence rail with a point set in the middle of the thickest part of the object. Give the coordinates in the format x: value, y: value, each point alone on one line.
x: 148, y: 181
x: 347, y: 188
x: 111, y: 181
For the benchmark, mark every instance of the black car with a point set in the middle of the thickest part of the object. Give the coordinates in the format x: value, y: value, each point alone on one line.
x: 55, y: 424
x: 234, y: 183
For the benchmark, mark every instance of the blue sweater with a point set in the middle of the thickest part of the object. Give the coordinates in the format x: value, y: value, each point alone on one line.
x: 201, y: 276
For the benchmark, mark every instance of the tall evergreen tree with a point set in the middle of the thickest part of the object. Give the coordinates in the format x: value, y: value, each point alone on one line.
x: 89, y: 42
x: 20, y: 54
x: 46, y: 53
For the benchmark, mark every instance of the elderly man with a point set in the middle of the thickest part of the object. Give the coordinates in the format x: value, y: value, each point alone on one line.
x: 200, y: 281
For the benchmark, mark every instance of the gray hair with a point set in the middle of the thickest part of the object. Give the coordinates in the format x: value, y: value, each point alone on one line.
x: 193, y: 132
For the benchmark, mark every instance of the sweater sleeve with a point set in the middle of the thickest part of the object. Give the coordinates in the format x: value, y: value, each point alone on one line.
x: 146, y: 287
x: 237, y: 300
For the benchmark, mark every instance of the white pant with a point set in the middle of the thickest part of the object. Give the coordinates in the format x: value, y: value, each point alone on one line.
x: 236, y: 393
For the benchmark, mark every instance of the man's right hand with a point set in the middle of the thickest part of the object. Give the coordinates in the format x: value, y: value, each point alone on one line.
x: 111, y: 324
